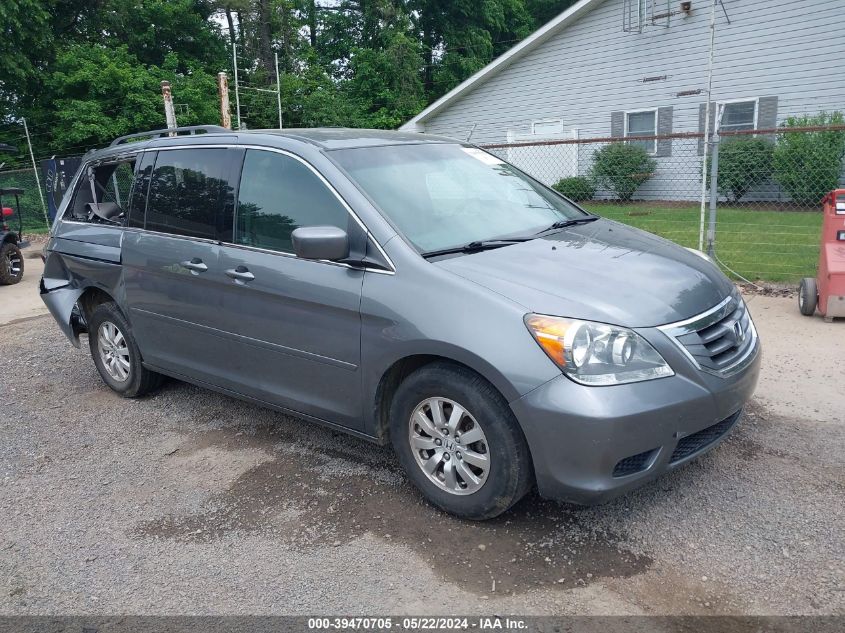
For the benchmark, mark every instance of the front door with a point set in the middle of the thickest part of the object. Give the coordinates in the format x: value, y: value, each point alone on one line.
x: 296, y: 323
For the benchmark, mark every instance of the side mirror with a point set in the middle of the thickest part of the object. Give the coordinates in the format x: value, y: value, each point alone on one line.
x: 321, y: 242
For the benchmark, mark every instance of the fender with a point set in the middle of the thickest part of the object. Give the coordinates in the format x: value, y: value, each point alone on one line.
x: 65, y: 280
x: 61, y: 301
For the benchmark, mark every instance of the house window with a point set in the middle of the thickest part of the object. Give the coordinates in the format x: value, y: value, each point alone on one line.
x: 547, y: 127
x: 642, y: 123
x: 739, y: 115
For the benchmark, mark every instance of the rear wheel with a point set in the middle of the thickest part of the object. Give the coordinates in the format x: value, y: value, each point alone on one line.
x: 808, y: 296
x: 11, y: 264
x: 459, y: 442
x: 116, y: 353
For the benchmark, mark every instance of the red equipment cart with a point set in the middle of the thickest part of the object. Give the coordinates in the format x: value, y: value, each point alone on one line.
x: 827, y: 290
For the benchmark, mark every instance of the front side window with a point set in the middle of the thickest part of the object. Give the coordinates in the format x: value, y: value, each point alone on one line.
x: 190, y: 192
x: 443, y: 195
x: 279, y: 194
x: 739, y: 115
x: 642, y: 124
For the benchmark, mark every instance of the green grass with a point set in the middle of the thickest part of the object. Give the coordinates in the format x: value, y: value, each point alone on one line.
x: 760, y: 245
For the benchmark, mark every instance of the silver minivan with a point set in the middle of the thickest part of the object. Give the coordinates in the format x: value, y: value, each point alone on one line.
x: 408, y: 289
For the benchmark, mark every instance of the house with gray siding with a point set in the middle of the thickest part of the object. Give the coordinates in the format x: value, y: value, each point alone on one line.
x: 621, y: 68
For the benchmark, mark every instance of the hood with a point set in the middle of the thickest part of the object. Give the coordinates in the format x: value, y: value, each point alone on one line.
x: 604, y: 271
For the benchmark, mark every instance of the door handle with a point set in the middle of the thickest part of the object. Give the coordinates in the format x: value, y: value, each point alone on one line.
x: 195, y: 265
x: 240, y: 274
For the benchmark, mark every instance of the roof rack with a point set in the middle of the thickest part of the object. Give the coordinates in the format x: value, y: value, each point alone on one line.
x: 190, y: 129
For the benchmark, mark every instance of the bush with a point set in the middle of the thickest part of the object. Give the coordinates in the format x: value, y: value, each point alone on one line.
x: 808, y: 165
x: 576, y: 188
x: 743, y: 163
x: 622, y: 168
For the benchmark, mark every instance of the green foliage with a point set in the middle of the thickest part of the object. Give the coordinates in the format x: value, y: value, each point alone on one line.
x: 743, y: 163
x: 808, y: 165
x: 576, y: 188
x: 83, y: 72
x: 622, y: 168
x: 26, y: 36
x: 545, y: 10
x: 30, y: 203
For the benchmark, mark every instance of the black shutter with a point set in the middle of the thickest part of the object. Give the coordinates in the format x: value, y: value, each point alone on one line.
x: 664, y: 128
x: 617, y: 124
x: 767, y: 115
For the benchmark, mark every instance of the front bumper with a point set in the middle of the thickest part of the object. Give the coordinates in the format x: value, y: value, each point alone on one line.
x: 590, y: 444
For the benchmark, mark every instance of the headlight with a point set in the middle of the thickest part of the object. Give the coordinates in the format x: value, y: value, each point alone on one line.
x: 595, y: 353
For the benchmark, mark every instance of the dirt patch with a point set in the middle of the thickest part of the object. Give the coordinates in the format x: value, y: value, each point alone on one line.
x: 311, y: 497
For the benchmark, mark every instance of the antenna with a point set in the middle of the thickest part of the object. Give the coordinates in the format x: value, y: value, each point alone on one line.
x: 638, y: 14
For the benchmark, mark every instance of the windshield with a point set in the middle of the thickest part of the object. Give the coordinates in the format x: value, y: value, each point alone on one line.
x: 442, y: 196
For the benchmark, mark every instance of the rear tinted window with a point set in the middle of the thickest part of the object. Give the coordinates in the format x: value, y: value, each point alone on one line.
x: 279, y: 194
x: 189, y: 192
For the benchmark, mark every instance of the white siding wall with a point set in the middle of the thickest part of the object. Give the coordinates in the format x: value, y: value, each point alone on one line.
x: 791, y: 49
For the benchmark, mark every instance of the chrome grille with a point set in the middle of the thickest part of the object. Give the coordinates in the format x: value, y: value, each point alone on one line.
x: 721, y: 341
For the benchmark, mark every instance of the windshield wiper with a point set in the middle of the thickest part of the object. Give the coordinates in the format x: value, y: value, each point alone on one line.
x: 475, y: 247
x: 562, y: 224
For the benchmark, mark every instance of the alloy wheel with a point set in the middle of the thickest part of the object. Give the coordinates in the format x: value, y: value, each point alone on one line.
x: 14, y: 264
x: 449, y: 446
x: 114, y: 351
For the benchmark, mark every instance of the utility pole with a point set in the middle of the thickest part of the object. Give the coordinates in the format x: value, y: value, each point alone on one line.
x: 707, y: 123
x: 169, y: 114
x: 237, y: 93
x: 223, y: 94
x: 278, y: 90
x: 714, y: 183
x: 35, y: 171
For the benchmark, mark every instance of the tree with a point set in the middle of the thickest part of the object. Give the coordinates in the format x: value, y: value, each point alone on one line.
x: 544, y: 10
x: 84, y: 71
x: 462, y: 36
x: 27, y: 38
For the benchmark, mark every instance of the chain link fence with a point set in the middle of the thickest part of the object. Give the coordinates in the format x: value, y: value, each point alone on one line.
x: 34, y: 220
x: 766, y: 188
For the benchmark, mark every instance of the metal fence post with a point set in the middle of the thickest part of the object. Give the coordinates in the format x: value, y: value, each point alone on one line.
x: 35, y: 173
x: 237, y: 88
x: 714, y: 189
x: 278, y: 90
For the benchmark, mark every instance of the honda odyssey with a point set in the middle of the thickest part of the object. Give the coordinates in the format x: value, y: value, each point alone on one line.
x: 406, y: 289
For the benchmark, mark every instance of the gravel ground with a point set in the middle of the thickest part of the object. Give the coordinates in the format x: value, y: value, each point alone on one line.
x: 189, y: 502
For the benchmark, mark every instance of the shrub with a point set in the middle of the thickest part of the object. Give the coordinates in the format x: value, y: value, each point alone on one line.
x: 577, y: 188
x: 808, y: 165
x: 622, y: 168
x: 743, y: 163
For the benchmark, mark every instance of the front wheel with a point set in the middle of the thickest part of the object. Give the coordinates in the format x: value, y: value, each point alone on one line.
x: 116, y: 353
x: 808, y: 296
x: 11, y: 264
x: 459, y: 443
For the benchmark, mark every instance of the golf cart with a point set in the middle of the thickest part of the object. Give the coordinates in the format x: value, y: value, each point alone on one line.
x: 11, y: 241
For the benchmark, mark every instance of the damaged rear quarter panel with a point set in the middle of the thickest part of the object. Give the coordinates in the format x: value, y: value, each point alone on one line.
x: 80, y: 257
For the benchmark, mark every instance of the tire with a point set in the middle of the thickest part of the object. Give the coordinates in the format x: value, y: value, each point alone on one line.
x: 808, y: 296
x: 116, y: 353
x: 471, y: 491
x: 11, y: 264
